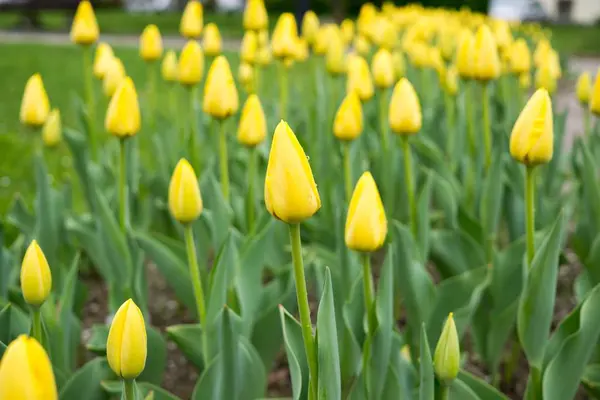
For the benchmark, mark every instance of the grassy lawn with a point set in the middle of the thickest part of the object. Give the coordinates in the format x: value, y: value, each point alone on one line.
x: 573, y: 39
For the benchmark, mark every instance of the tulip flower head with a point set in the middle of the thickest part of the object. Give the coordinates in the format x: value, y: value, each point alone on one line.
x: 26, y: 371
x: 532, y: 137
x: 123, y: 114
x: 399, y: 63
x: 255, y: 16
x: 36, y: 278
x: 366, y: 224
x: 487, y: 61
x: 84, y: 30
x: 322, y: 40
x: 347, y: 30
x: 211, y: 40
x: 191, y: 64
x: 252, y: 128
x: 169, y: 66
x: 335, y: 58
x: 290, y: 190
x: 446, y: 359
x: 284, y: 37
x: 362, y: 45
x: 35, y: 105
x: 192, y: 20
x: 595, y: 96
x: 383, y: 68
x: 114, y: 75
x: 405, y: 109
x: 359, y: 78
x: 220, y: 94
x: 525, y: 81
x: 584, y: 87
x: 301, y: 50
x: 465, y: 55
x: 52, y: 130
x: 246, y: 76
x: 348, y: 123
x: 185, y: 202
x: 450, y: 82
x: 151, y: 46
x: 310, y: 26
x: 545, y: 79
x: 249, y: 47
x: 519, y: 57
x: 127, y: 344
x: 102, y: 58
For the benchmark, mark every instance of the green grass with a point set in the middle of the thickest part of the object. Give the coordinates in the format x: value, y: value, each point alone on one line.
x: 574, y: 39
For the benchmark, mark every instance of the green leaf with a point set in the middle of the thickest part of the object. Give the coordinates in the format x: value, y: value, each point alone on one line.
x: 66, y: 315
x: 229, y: 356
x: 423, y: 220
x: 217, y: 210
x: 46, y: 227
x: 85, y: 384
x: 188, y: 339
x: 79, y: 153
x: 591, y: 187
x: 13, y: 322
x: 98, y: 337
x: 491, y: 196
x: 2, y: 349
x: 592, y: 262
x: 145, y: 389
x: 455, y: 252
x: 426, y: 386
x: 85, y: 235
x: 353, y: 333
x: 445, y: 197
x: 590, y: 379
x: 482, y: 389
x: 222, y: 275
x: 19, y: 216
x: 296, y: 356
x: 156, y: 361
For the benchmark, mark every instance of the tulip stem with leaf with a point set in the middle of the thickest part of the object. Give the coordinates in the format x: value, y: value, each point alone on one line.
x: 36, y: 284
x: 368, y: 290
x: 409, y: 184
x: 88, y: 77
x: 129, y: 389
x: 193, y: 127
x: 487, y: 127
x: 283, y: 90
x: 223, y: 160
x: 253, y: 160
x: 122, y: 185
x: 152, y: 72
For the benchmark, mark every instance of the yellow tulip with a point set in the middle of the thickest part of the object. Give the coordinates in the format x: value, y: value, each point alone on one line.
x: 249, y: 47
x: 263, y: 38
x: 347, y: 30
x: 26, y: 372
x: 553, y: 63
x: 335, y: 58
x: 285, y: 36
x: 52, y: 130
x: 399, y: 63
x: 595, y: 96
x: 540, y: 54
x: 103, y: 57
x: 447, y: 44
x: 151, y: 46
x: 545, y: 79
x: 255, y: 16
x: 36, y: 278
x: 310, y: 26
x: 169, y: 66
x: 532, y: 137
x: 123, y: 114
x: 366, y: 17
x: 366, y: 224
x: 450, y: 82
x: 127, y: 345
x: 185, y: 202
x: 502, y: 34
x: 113, y: 76
x: 362, y: 45
x: 301, y: 50
x: 446, y: 359
x: 192, y: 20
x: 386, y: 35
x: 584, y: 87
x: 220, y: 93
x: 321, y: 42
x: 35, y: 105
x: 263, y: 56
x: 290, y: 190
x: 84, y: 29
x: 246, y: 76
x: 211, y: 40
x: 359, y: 78
x: 487, y: 61
x: 252, y: 128
x: 191, y: 64
x: 520, y: 57
x: 405, y: 110
x: 524, y: 81
x: 465, y: 54
x: 348, y: 122
x: 383, y: 68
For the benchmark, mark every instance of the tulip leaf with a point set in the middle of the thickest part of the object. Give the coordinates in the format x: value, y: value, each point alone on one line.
x: 145, y: 389
x: 156, y: 361
x: 47, y: 224
x: 590, y: 379
x: 423, y: 220
x: 296, y: 356
x: 221, y: 278
x: 86, y: 237
x: 353, y: 332
x: 85, y: 384
x: 426, y: 386
x: 592, y: 262
x: 490, y: 206
x: 455, y: 252
x: 20, y: 216
x: 591, y: 187
x: 482, y: 389
x: 13, y: 322
x: 2, y: 349
x: 445, y: 197
x: 220, y: 214
x: 470, y: 226
x: 79, y: 153
x: 187, y: 338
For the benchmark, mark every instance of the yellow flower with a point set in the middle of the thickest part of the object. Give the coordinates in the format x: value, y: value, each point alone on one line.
x: 347, y: 30
x: 36, y: 278
x: 285, y: 36
x: 220, y: 93
x: 366, y: 225
x: 335, y: 59
x: 532, y: 137
x: 446, y: 359
x: 405, y: 110
x: 263, y: 38
x: 545, y: 79
x: 191, y: 64
x: 553, y: 63
x: 255, y: 16
x: 127, y: 346
x: 465, y: 54
x: 185, y: 202
x: 487, y: 62
x: 249, y: 47
x: 540, y: 54
x: 450, y: 81
x: 383, y: 68
x: 103, y: 57
x: 386, y: 35
x: 290, y: 190
x: 366, y: 17
x: 310, y: 26
x: 151, y: 46
x: 301, y: 50
x: 246, y: 76
x: 192, y: 20
x: 252, y: 128
x: 524, y: 81
x: 211, y: 41
x: 35, y: 105
x: 502, y: 34
x: 321, y: 42
x: 348, y: 123
x: 113, y: 76
x: 399, y: 63
x: 519, y: 57
x: 123, y: 114
x: 26, y: 372
x: 362, y: 45
x: 52, y: 130
x: 169, y: 66
x: 263, y: 56
x: 595, y: 96
x: 359, y: 78
x: 85, y: 28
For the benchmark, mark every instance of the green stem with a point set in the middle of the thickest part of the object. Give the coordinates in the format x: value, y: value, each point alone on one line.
x: 536, y: 382
x: 193, y: 125
x: 513, y: 359
x: 347, y: 170
x: 408, y: 182
x: 36, y: 324
x: 303, y: 307
x: 586, y: 121
x: 129, y: 389
x: 470, y: 120
x: 223, y: 160
x: 450, y: 134
x: 383, y: 125
x: 487, y: 128
x: 197, y: 286
x: 424, y: 88
x: 151, y: 93
x: 283, y: 91
x: 368, y: 288
x: 444, y: 392
x: 251, y: 181
x: 173, y: 102
x: 123, y: 186
x: 88, y: 78
x: 257, y: 71
x: 529, y: 212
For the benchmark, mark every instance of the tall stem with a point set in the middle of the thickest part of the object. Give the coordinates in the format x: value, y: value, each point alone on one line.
x: 487, y: 128
x: 223, y: 160
x: 383, y: 125
x: 36, y: 324
x: 129, y: 389
x: 283, y: 91
x: 410, y: 188
x: 123, y: 186
x: 151, y: 93
x: 193, y: 125
x: 368, y: 289
x: 470, y: 120
x: 586, y: 121
x: 303, y: 307
x: 424, y: 86
x: 257, y: 81
x: 444, y: 392
x: 251, y: 182
x: 529, y: 212
x: 347, y: 170
x: 88, y: 78
x: 450, y: 134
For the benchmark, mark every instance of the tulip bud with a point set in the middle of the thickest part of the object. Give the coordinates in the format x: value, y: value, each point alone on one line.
x: 169, y: 66
x: 541, y: 52
x: 211, y: 40
x: 399, y: 63
x: 450, y: 82
x: 185, y: 202
x: 348, y: 123
x: 113, y: 76
x: 220, y: 93
x: 191, y: 64
x: 246, y: 76
x: 386, y: 35
x: 465, y: 54
x: 123, y: 114
x: 192, y: 20
x: 544, y: 78
x: 310, y: 26
x: 151, y: 46
x: 532, y: 137
x: 26, y: 371
x: 595, y: 96
x: 487, y: 62
x: 446, y: 359
x: 524, y: 81
x: 252, y: 128
x: 249, y: 47
x: 383, y: 68
x: 36, y: 278
x: 359, y: 78
x: 301, y: 50
x: 335, y: 59
x: 263, y: 56
x: 290, y: 190
x: 284, y: 36
x: 362, y: 45
x: 35, y: 105
x: 255, y: 16
x: 366, y: 225
x: 85, y: 28
x: 519, y: 57
x: 263, y: 38
x: 52, y: 130
x: 321, y: 42
x: 347, y: 30
x: 405, y: 110
x: 127, y: 346
x: 584, y: 87
x: 103, y: 57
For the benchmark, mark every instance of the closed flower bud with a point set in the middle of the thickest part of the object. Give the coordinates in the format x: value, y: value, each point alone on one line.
x: 263, y: 56
x: 595, y: 96
x: 123, y: 114
x: 348, y: 123
x: 519, y: 57
x: 545, y: 79
x: 321, y: 42
x: 524, y: 81
x: 405, y: 110
x: 366, y: 225
x: 252, y: 128
x: 347, y: 30
x: 383, y: 68
x: 249, y: 47
x: 220, y: 93
x: 532, y: 137
x: 335, y: 59
x: 169, y: 67
x: 36, y: 279
x: 541, y: 52
x: 192, y: 20
x: 263, y: 38
x: 290, y: 190
x: 35, y: 105
x: 255, y: 16
x: 127, y: 344
x: 359, y: 78
x: 191, y: 64
x: 450, y: 82
x: 465, y: 55
x: 246, y: 76
x: 446, y: 359
x: 386, y: 35
x: 301, y: 50
x: 151, y: 46
x: 284, y: 36
x: 114, y: 75
x: 85, y: 28
x: 185, y: 202
x: 211, y: 40
x: 310, y: 26
x: 102, y: 58
x: 584, y: 87
x: 399, y: 63
x: 26, y: 372
x: 52, y: 130
x: 487, y: 61
x: 362, y: 45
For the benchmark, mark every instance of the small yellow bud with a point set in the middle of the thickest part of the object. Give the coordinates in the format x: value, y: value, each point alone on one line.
x: 123, y: 114
x: 359, y: 78
x: 255, y: 16
x: 310, y: 26
x: 252, y: 128
x: 26, y: 372
x: 290, y: 190
x: 584, y: 87
x: 362, y: 45
x: 399, y: 63
x: 348, y: 123
x: 487, y: 61
x: 263, y: 56
x: 301, y: 50
x: 220, y: 94
x: 450, y: 82
x: 263, y: 38
x: 595, y: 96
x: 405, y: 110
x: 384, y: 33
x: 246, y: 76
x: 347, y: 30
x: 335, y: 58
x: 52, y: 130
x: 321, y: 42
x: 185, y: 202
x: 383, y: 68
x: 192, y: 20
x: 84, y: 29
x: 465, y: 54
x: 249, y: 47
x: 127, y: 345
x: 446, y: 359
x: 151, y: 46
x: 545, y: 79
x: 285, y: 36
x: 540, y: 55
x: 102, y: 58
x: 113, y: 76
x: 35, y: 105
x: 532, y: 137
x: 211, y: 40
x: 519, y: 57
x: 36, y: 278
x: 191, y: 64
x: 168, y: 68
x: 524, y: 81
